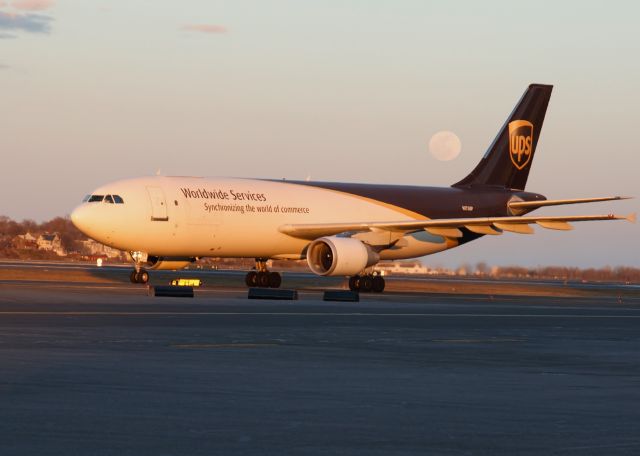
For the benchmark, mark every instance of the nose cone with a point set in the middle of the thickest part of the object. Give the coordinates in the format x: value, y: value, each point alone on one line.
x: 80, y: 218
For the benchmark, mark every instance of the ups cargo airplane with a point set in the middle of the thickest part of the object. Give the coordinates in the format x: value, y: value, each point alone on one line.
x: 341, y: 229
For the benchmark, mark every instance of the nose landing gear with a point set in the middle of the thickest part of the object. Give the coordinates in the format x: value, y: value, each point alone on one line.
x: 367, y: 282
x: 138, y: 275
x: 262, y: 277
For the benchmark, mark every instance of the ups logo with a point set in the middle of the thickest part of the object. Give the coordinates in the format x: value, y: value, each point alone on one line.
x: 520, y: 142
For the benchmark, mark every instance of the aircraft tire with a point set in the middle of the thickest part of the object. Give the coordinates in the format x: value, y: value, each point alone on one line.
x: 378, y: 284
x: 251, y: 279
x: 366, y: 283
x: 263, y: 279
x: 354, y: 283
x: 133, y: 276
x: 274, y: 279
x: 142, y: 276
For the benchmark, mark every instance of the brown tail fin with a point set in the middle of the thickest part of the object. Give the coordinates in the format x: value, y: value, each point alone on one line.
x: 508, y: 160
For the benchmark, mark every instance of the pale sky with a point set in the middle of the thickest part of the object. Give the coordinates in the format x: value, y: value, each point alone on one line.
x: 94, y: 91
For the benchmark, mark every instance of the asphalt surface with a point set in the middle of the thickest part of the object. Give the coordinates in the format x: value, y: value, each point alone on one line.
x: 106, y: 369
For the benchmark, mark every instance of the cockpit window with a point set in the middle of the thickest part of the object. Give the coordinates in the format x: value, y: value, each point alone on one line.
x: 110, y: 199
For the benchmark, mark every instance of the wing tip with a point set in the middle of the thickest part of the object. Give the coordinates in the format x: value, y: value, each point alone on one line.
x: 632, y: 217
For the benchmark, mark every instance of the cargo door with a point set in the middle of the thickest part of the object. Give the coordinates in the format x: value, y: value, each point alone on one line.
x: 158, y: 204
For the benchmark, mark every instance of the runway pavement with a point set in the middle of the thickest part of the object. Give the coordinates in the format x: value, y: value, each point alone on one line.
x: 102, y: 368
x: 38, y: 272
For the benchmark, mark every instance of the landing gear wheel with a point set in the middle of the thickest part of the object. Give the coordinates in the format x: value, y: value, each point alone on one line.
x: 378, y: 284
x: 140, y: 276
x: 251, y: 279
x: 354, y: 283
x: 144, y: 277
x: 366, y: 283
x: 274, y: 280
x: 263, y: 279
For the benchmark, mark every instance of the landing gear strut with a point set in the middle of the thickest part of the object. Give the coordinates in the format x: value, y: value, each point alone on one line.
x: 261, y: 277
x: 138, y: 275
x: 367, y: 283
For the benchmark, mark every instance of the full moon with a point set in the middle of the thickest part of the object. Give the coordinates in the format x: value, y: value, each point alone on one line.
x: 445, y: 145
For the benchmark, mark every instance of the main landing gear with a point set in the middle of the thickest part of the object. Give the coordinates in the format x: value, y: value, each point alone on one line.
x: 138, y: 275
x: 367, y: 283
x: 261, y: 277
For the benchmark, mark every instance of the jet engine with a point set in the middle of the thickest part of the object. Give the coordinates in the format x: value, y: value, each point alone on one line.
x: 168, y: 263
x: 340, y: 256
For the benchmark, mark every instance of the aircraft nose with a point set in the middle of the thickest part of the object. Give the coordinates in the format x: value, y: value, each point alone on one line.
x: 79, y: 218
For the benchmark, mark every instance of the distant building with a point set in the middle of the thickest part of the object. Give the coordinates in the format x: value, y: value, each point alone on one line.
x: 25, y: 241
x: 402, y: 268
x: 27, y: 237
x: 94, y: 248
x: 51, y: 243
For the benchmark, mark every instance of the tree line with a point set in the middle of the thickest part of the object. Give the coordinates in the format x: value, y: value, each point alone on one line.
x: 624, y: 274
x: 70, y: 236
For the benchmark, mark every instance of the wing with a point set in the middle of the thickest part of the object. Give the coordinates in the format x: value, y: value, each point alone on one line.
x: 448, y: 227
x: 530, y: 205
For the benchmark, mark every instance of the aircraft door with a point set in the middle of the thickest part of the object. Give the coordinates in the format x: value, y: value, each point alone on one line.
x: 158, y: 204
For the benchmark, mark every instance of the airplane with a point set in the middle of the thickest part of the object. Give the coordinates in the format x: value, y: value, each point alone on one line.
x: 341, y: 229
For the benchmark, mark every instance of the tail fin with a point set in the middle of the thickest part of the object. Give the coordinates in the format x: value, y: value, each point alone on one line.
x: 508, y: 160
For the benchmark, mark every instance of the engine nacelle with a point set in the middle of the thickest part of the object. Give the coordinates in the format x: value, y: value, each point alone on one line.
x: 338, y: 256
x: 168, y: 263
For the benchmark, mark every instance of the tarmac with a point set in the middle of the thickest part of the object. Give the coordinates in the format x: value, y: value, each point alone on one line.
x: 101, y: 368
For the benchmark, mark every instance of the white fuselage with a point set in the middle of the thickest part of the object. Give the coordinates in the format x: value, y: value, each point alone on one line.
x: 226, y: 217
